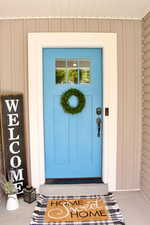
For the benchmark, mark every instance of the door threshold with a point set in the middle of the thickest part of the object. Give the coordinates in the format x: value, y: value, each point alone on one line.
x: 73, y: 180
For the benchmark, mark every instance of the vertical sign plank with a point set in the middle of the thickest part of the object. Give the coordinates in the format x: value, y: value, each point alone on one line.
x: 13, y: 142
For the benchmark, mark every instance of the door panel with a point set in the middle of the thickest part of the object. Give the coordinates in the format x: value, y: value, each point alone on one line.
x: 72, y: 148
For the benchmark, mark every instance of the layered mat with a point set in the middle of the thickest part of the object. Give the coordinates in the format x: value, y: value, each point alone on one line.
x: 91, y: 209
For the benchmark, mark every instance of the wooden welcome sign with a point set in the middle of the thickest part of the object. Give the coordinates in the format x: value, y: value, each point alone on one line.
x: 13, y: 142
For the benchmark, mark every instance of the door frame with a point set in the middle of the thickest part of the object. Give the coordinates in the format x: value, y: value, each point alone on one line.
x: 107, y: 41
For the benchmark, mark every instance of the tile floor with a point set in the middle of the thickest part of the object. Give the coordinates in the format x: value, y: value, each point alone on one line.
x: 135, y: 208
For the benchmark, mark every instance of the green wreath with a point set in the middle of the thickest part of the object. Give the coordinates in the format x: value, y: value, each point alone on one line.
x: 65, y: 101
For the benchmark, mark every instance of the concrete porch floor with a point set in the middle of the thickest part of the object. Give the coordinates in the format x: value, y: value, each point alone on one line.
x: 135, y: 208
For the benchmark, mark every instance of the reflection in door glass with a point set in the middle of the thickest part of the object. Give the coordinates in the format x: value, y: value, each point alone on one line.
x: 84, y: 71
x: 60, y: 71
x: 72, y: 71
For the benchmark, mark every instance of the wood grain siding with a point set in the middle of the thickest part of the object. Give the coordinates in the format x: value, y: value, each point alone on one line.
x: 14, y: 77
x: 145, y: 170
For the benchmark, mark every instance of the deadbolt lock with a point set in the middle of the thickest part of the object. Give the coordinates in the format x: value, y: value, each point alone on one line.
x: 98, y: 110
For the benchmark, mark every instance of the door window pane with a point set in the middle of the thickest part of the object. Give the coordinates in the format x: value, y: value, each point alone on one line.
x: 84, y: 71
x: 60, y: 71
x: 72, y: 71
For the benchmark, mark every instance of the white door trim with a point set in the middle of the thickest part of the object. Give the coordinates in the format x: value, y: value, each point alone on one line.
x: 107, y: 41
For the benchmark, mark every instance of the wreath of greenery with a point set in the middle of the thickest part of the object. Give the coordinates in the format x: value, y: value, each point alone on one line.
x: 65, y: 101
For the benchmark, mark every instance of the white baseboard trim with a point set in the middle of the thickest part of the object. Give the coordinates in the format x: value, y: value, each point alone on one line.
x: 125, y: 190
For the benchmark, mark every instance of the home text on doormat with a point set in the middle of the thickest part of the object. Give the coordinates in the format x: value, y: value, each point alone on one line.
x: 73, y: 210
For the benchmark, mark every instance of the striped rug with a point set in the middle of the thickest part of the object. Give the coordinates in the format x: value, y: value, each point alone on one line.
x: 113, y: 212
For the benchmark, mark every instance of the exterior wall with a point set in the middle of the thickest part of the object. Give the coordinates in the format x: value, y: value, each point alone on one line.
x: 14, y: 78
x: 2, y: 196
x: 145, y: 178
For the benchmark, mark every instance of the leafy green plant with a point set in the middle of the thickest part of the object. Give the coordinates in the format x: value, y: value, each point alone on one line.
x: 7, y: 186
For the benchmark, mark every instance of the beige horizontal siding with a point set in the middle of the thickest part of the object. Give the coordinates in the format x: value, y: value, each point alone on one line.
x: 146, y: 152
x: 146, y: 113
x: 14, y: 78
x: 147, y: 47
x: 146, y: 21
x: 146, y: 104
x: 145, y: 171
x: 147, y: 72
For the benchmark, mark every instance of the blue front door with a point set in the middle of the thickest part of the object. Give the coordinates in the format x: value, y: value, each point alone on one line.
x: 72, y: 146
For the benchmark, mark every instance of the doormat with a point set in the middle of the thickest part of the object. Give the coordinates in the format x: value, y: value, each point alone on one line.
x: 63, y: 210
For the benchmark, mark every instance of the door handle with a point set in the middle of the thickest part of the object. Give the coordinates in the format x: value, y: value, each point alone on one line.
x: 99, y: 126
